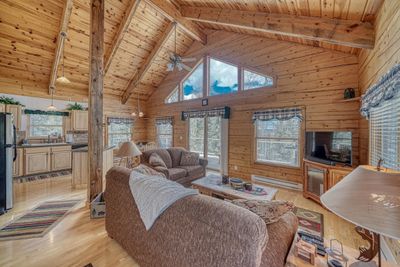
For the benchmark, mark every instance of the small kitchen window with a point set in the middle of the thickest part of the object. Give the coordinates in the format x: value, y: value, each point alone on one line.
x: 44, y: 125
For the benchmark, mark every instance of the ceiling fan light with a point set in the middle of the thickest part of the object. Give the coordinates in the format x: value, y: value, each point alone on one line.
x: 63, y: 80
x: 141, y: 114
x: 134, y: 114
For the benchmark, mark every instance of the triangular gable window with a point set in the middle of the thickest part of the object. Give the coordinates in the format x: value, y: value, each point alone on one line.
x: 173, y: 96
x: 254, y: 80
x: 192, y: 86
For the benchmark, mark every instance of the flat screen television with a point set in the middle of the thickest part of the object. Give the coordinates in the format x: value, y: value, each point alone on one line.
x: 329, y: 147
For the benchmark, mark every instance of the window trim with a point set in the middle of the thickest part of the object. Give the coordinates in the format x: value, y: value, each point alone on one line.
x: 181, y: 96
x: 29, y: 126
x: 301, y: 145
x: 107, y: 131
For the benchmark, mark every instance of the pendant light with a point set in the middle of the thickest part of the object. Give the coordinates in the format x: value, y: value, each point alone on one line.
x: 139, y: 112
x: 52, y: 107
x: 63, y: 79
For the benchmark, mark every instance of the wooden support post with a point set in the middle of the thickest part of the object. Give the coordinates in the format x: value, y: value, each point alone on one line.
x: 96, y: 97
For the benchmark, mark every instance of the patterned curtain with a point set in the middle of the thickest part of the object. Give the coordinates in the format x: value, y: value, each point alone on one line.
x: 164, y: 120
x: 278, y: 114
x: 387, y: 87
x: 120, y: 120
x: 216, y: 112
x: 50, y: 113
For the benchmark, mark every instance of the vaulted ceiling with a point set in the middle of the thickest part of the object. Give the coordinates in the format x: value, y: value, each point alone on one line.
x: 138, y: 36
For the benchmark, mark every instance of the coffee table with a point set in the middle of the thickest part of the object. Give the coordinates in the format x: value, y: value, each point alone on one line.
x: 211, y: 185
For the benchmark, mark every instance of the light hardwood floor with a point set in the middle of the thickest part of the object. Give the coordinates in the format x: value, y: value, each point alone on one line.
x: 77, y: 240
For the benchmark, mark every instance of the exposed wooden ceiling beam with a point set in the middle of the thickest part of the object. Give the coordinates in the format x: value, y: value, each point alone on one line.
x: 173, y: 14
x: 123, y: 28
x: 335, y: 31
x: 134, y: 82
x: 60, y: 43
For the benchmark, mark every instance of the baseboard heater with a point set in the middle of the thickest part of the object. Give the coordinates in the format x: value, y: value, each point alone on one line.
x: 277, y: 182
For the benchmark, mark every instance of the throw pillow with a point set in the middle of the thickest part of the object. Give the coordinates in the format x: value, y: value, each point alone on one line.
x: 155, y: 160
x: 189, y: 159
x: 143, y: 169
x: 269, y: 211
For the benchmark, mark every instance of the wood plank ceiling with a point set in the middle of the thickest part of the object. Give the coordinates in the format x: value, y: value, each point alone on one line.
x: 29, y: 31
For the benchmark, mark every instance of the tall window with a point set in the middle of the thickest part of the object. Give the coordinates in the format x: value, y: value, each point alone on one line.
x: 192, y: 86
x: 277, y: 141
x: 173, y: 97
x: 44, y: 125
x: 223, y: 78
x: 164, y: 129
x: 119, y: 130
x: 252, y: 80
x: 385, y: 133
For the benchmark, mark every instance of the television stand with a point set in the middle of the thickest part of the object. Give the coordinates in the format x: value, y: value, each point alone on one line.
x: 319, y: 178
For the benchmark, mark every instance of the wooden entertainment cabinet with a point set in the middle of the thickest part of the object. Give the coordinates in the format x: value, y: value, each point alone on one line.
x: 319, y: 177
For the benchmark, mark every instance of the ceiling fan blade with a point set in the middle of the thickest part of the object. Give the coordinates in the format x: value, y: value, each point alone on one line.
x: 179, y: 66
x: 186, y: 67
x: 189, y: 59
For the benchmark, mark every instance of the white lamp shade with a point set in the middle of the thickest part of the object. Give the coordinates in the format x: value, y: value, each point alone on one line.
x: 368, y: 198
x: 128, y: 149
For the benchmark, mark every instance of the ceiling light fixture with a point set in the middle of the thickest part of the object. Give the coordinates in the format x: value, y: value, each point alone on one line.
x: 63, y: 79
x: 52, y: 107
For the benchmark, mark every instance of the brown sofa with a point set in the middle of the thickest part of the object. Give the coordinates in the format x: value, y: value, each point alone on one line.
x: 172, y: 158
x: 195, y: 231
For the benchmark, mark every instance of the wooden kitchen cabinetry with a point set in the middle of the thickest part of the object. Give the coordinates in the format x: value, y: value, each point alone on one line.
x: 60, y: 158
x: 16, y: 110
x: 79, y: 120
x: 37, y: 160
x: 18, y: 164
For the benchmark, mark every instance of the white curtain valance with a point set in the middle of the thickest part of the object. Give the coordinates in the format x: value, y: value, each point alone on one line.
x: 387, y: 87
x: 164, y: 120
x: 278, y: 114
x: 216, y: 112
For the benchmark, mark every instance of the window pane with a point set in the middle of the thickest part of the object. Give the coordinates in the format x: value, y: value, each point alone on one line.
x: 278, y: 151
x: 223, y: 78
x: 164, y: 135
x: 196, y: 135
x: 193, y: 85
x: 44, y: 125
x: 119, y: 133
x: 253, y: 80
x: 278, y: 129
x: 173, y: 97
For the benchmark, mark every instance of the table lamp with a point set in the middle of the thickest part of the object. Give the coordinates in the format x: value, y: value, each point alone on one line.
x: 128, y: 150
x: 368, y: 197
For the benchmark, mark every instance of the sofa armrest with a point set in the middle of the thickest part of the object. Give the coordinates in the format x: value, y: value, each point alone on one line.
x: 162, y: 170
x: 203, y: 162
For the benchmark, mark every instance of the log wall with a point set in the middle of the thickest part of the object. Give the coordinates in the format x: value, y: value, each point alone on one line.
x: 308, y: 77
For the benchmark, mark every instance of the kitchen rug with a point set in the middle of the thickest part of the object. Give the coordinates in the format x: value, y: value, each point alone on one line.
x: 310, y: 221
x: 38, y: 221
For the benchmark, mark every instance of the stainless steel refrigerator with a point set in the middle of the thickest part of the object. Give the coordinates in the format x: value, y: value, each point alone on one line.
x: 8, y: 154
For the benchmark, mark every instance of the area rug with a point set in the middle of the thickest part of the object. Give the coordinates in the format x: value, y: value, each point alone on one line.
x: 42, y: 176
x: 310, y: 221
x: 39, y: 221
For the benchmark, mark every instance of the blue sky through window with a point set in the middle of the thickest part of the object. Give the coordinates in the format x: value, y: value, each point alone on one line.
x: 193, y: 85
x: 223, y: 78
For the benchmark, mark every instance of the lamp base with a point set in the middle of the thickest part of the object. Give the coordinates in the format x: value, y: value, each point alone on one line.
x: 368, y: 254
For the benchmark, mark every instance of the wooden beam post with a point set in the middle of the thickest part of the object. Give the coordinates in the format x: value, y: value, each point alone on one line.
x: 134, y: 82
x: 60, y: 44
x: 334, y: 31
x: 96, y: 97
x: 123, y: 28
x: 173, y: 14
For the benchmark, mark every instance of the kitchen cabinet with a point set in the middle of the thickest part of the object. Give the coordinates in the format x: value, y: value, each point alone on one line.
x: 18, y: 164
x: 79, y: 120
x: 2, y: 108
x: 60, y: 158
x: 37, y: 160
x: 16, y: 110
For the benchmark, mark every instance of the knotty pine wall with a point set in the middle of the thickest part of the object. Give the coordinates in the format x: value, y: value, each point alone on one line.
x: 376, y: 62
x: 309, y: 77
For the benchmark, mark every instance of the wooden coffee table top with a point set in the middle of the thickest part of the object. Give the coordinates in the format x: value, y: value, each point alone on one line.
x: 214, y: 184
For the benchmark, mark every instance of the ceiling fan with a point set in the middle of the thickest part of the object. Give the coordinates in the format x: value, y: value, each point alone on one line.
x: 178, y: 62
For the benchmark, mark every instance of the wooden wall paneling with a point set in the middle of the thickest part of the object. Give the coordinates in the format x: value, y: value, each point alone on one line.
x: 95, y: 142
x: 373, y: 64
x: 310, y: 77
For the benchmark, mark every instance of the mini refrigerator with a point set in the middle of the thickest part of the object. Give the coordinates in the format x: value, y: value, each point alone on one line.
x: 8, y: 154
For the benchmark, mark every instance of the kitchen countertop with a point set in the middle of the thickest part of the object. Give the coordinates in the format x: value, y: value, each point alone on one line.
x: 85, y: 149
x: 42, y: 145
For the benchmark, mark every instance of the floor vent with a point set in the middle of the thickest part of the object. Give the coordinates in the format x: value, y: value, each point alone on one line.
x: 277, y: 182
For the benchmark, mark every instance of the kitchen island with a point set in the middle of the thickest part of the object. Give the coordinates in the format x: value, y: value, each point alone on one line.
x: 80, y: 165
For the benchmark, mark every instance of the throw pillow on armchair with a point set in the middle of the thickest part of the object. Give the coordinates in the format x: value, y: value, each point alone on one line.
x: 156, y: 161
x: 190, y: 159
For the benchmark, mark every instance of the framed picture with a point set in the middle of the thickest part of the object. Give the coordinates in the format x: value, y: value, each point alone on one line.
x: 204, y: 102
